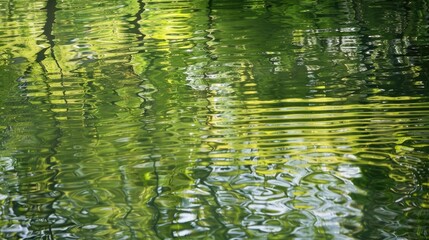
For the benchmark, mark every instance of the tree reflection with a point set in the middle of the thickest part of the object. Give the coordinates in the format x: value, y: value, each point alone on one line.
x: 223, y: 119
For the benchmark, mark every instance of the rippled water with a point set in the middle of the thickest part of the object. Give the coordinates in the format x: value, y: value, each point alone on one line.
x: 245, y: 119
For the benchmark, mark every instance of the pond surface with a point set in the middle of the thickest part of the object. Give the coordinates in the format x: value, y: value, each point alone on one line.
x: 214, y: 119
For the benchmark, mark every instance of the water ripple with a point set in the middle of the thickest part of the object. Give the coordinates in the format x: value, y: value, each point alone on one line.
x: 213, y: 119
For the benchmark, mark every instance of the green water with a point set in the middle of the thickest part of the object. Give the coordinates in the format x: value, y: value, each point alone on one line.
x: 214, y: 119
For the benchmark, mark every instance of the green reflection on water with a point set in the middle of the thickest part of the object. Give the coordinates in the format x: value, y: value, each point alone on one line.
x: 214, y: 119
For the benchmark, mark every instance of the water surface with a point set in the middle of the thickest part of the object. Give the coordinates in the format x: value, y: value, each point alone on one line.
x: 215, y: 119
